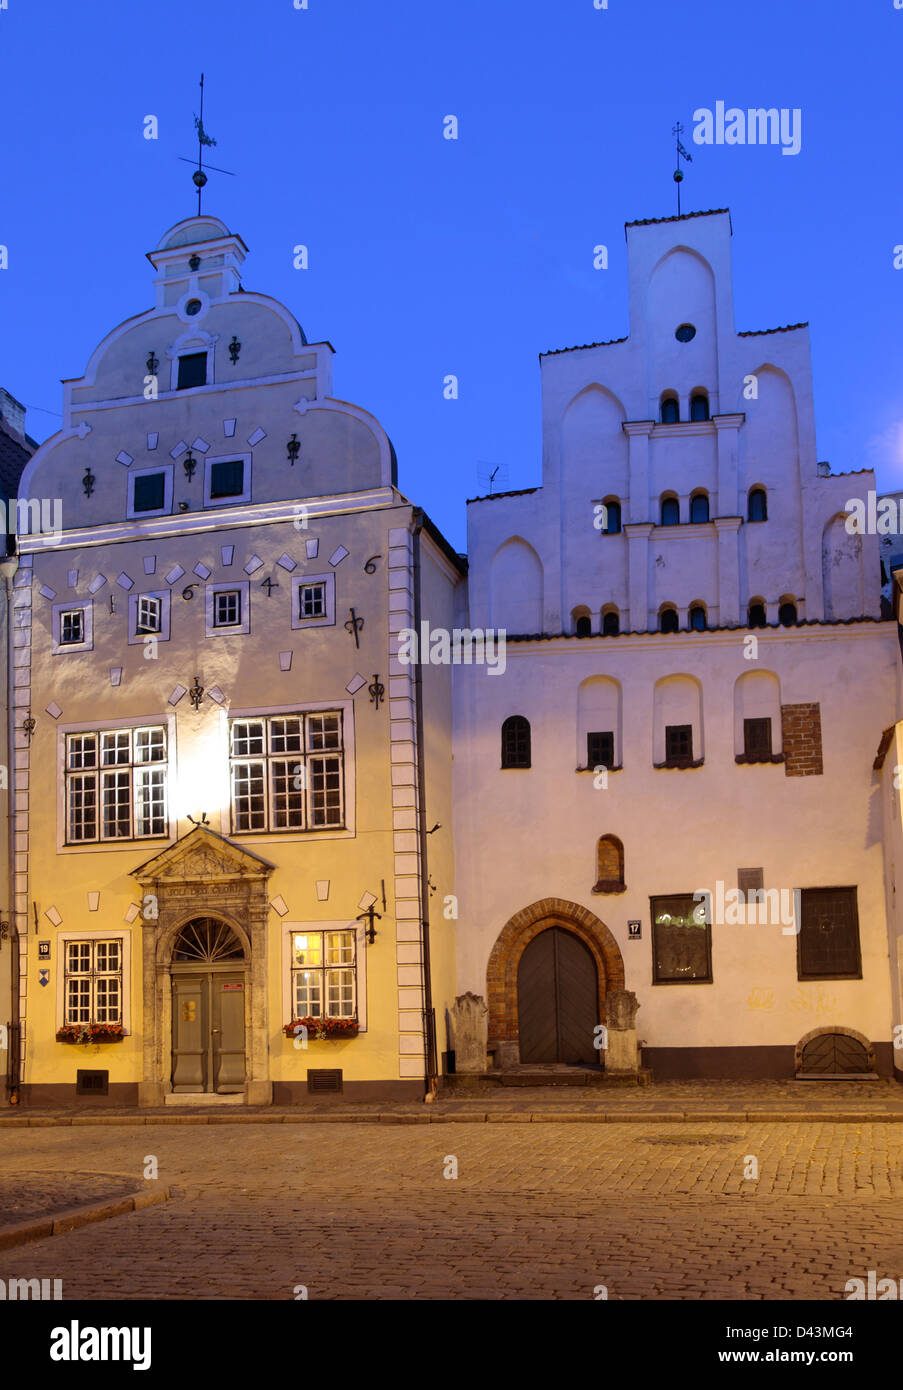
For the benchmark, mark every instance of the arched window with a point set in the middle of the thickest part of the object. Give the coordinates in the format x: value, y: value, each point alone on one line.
x: 758, y: 505
x: 756, y: 615
x: 670, y: 410
x: 516, y: 741
x: 698, y: 618
x: 667, y: 620
x: 670, y: 511
x: 699, y: 507
x: 699, y: 406
x: 609, y: 865
x: 787, y: 614
x: 584, y: 626
x: 611, y: 623
x: 612, y: 515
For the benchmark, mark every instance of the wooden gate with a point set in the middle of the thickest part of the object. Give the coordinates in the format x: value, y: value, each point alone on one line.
x: 557, y: 1000
x: 834, y: 1054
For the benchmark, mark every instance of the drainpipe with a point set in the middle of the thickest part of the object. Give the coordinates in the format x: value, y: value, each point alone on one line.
x: 8, y: 566
x: 431, y: 1078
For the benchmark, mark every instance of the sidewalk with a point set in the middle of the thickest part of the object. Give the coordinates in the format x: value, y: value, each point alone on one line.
x: 668, y: 1101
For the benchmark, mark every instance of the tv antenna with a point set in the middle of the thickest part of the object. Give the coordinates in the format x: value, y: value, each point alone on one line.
x: 677, y: 131
x: 487, y: 473
x: 199, y: 178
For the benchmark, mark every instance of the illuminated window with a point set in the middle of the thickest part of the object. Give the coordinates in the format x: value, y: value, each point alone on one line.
x: 324, y: 974
x: 287, y: 772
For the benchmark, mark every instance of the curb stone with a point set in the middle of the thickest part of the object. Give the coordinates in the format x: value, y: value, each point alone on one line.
x: 75, y: 1217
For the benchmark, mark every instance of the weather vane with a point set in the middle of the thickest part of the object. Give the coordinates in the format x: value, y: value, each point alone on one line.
x: 199, y: 177
x: 677, y: 131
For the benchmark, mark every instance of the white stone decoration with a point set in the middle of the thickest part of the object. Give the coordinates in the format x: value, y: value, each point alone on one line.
x: 228, y: 428
x: 153, y: 440
x: 278, y: 904
x: 338, y: 555
x: 313, y: 545
x: 254, y: 564
x: 150, y: 564
x: 72, y: 579
x: 227, y: 552
x: 216, y: 695
x: 357, y: 680
x: 175, y: 573
x: 84, y: 429
x: 177, y: 694
x: 285, y: 661
x: 200, y: 444
x: 53, y: 916
x: 53, y: 710
x: 115, y: 675
x: 287, y: 563
x: 179, y: 450
x: 323, y: 890
x: 97, y: 583
x: 125, y: 581
x: 124, y: 458
x: 201, y: 571
x: 132, y: 912
x: 367, y: 900
x: 46, y: 592
x: 93, y: 901
x: 256, y: 437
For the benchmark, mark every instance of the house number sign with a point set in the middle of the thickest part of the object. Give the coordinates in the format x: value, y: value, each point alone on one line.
x: 634, y: 931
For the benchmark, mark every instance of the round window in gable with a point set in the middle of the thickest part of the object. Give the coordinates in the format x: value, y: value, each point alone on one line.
x: 194, y: 306
x: 685, y: 333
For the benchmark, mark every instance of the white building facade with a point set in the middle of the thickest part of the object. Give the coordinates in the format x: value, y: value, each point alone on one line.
x: 697, y: 678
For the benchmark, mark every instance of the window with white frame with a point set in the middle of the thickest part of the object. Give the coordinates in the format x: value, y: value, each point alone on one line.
x: 73, y: 627
x: 116, y: 785
x: 313, y: 600
x: 227, y: 480
x: 228, y: 608
x: 149, y: 616
x: 149, y: 492
x: 287, y: 772
x: 324, y: 974
x: 93, y: 981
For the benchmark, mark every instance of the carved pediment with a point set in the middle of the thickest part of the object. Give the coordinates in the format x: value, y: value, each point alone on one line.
x: 202, y: 856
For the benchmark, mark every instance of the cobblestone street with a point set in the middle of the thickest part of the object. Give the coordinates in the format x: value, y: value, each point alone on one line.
x: 537, y: 1210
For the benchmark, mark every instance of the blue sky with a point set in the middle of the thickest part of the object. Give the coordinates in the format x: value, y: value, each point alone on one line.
x: 429, y: 256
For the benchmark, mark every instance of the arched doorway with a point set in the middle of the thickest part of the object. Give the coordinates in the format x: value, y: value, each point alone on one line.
x: 502, y: 970
x: 208, y: 1009
x: 557, y: 1000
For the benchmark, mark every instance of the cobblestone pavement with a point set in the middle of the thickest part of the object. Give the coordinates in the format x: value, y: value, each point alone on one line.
x: 537, y: 1211
x: 22, y: 1198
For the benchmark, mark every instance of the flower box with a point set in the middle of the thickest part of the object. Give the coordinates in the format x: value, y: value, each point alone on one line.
x: 320, y: 1028
x: 90, y: 1033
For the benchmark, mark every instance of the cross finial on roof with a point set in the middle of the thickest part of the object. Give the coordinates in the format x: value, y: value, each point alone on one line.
x: 677, y: 132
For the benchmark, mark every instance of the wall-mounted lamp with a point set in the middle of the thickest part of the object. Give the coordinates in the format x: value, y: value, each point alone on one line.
x: 369, y: 929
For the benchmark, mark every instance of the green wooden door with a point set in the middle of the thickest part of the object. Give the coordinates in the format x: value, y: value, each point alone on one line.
x: 208, y: 1033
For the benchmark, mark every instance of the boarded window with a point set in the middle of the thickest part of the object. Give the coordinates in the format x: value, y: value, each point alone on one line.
x: 192, y: 371
x: 757, y: 738
x: 828, y: 941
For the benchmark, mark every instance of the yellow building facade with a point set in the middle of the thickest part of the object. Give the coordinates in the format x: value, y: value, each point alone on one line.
x: 224, y: 777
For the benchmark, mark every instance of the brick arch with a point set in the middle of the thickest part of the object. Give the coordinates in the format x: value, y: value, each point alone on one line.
x: 515, y: 937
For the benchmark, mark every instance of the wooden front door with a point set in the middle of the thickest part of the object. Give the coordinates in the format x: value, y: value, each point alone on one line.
x: 208, y: 1033
x: 557, y: 1000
